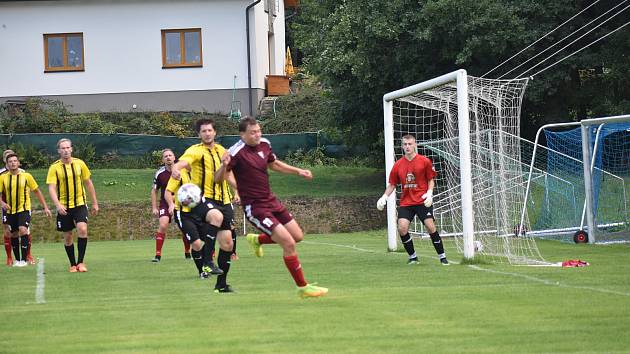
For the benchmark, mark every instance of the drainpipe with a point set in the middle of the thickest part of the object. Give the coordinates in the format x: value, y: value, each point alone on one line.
x: 249, y: 64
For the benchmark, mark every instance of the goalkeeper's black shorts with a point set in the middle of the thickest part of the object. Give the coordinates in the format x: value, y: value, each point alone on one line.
x: 422, y: 212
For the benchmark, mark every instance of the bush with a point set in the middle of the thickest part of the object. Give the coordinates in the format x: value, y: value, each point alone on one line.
x: 48, y: 116
x: 311, y: 108
x: 30, y: 157
x: 314, y: 157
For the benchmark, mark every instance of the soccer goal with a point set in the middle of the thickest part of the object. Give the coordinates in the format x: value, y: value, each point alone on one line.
x: 469, y: 128
x: 587, y: 200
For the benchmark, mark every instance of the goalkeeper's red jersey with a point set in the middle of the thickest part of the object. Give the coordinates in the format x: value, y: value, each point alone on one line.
x: 414, y: 177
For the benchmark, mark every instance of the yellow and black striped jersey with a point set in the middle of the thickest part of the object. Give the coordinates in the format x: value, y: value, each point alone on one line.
x: 17, y: 190
x: 204, y: 162
x: 69, y: 179
x: 173, y: 186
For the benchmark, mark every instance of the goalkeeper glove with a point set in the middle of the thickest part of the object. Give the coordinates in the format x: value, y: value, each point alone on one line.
x: 380, y: 204
x: 428, y: 198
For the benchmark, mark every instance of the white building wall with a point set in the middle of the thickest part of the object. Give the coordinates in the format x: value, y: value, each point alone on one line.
x: 122, y: 46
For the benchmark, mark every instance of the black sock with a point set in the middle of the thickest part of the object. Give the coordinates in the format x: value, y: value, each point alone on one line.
x: 224, y: 263
x: 70, y: 253
x: 407, y: 242
x: 24, y: 246
x: 15, y: 244
x: 82, y: 245
x: 437, y: 243
x: 233, y: 241
x: 210, y: 232
x: 196, y: 256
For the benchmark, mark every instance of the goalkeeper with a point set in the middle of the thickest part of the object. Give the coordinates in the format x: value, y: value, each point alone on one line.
x: 415, y: 174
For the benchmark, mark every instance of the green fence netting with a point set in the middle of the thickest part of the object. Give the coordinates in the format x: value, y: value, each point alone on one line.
x: 135, y: 144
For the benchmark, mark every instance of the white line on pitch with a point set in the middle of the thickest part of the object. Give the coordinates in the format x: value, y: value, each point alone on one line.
x: 344, y: 246
x: 549, y: 282
x: 41, y: 282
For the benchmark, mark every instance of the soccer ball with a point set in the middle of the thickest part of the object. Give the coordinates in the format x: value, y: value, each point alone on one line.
x: 478, y: 246
x: 189, y: 195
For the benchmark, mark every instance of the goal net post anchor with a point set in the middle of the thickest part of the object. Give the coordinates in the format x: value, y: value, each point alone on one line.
x: 460, y: 77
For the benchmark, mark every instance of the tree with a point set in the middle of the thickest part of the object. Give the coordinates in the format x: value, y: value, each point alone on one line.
x: 361, y: 50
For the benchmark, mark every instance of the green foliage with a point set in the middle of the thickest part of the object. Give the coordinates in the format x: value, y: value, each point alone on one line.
x: 314, y: 157
x: 84, y: 150
x: 30, y: 156
x: 49, y: 116
x: 361, y: 50
x: 311, y: 108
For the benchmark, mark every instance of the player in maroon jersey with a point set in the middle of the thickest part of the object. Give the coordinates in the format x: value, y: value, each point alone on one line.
x: 249, y: 159
x: 160, y: 181
x: 415, y: 173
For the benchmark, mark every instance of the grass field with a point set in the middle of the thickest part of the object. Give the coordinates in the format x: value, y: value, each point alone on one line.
x: 114, y: 185
x: 376, y: 304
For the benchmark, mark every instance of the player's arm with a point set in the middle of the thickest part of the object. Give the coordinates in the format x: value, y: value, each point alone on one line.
x: 177, y: 167
x: 221, y: 174
x: 232, y: 182
x: 428, y: 196
x: 171, y: 189
x: 52, y: 191
x: 51, y: 180
x: 380, y: 204
x: 42, y: 201
x: 90, y: 188
x: 154, y: 196
x: 282, y: 167
x: 4, y: 205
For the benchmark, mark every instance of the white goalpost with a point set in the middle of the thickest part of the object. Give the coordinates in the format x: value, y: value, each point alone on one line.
x: 460, y: 78
x: 469, y: 127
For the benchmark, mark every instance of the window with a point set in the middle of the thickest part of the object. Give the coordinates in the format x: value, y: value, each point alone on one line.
x: 181, y: 48
x: 63, y: 52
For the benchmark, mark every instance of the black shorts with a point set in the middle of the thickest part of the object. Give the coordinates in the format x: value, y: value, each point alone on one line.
x: 4, y: 217
x: 73, y: 216
x: 16, y: 220
x: 192, y: 226
x: 202, y: 209
x: 422, y: 212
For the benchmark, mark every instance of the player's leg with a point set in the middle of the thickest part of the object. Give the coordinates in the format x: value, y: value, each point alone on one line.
x: 210, y: 212
x: 24, y: 220
x: 223, y: 260
x: 429, y: 223
x: 29, y: 256
x: 283, y: 237
x: 13, y: 222
x: 187, y: 225
x: 15, y: 245
x: 7, y: 246
x: 23, y: 234
x: 160, y: 235
x: 80, y: 215
x: 258, y: 215
x: 65, y: 224
x: 7, y: 239
x: 234, y: 256
x: 206, y: 232
x: 405, y: 215
x: 68, y: 244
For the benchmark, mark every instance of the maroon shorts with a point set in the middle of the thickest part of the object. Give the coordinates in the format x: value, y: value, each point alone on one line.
x: 267, y: 215
x: 164, y: 212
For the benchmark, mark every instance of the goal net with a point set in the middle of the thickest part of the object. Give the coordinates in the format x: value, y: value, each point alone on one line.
x: 557, y: 201
x: 469, y: 128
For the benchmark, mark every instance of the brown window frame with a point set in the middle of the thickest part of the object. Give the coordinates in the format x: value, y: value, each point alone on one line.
x: 48, y: 69
x: 182, y: 48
